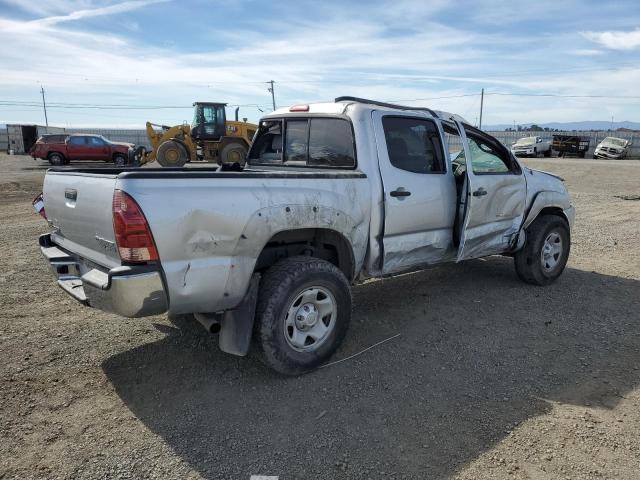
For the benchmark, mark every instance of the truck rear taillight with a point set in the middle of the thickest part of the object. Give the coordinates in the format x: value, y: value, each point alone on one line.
x: 133, y: 235
x: 38, y: 205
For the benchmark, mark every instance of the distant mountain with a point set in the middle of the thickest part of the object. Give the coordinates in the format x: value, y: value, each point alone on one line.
x: 586, y: 125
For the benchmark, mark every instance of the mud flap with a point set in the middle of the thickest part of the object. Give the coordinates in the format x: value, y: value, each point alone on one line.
x: 236, y: 326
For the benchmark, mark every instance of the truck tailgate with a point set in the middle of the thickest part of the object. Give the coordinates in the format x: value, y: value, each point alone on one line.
x: 78, y: 205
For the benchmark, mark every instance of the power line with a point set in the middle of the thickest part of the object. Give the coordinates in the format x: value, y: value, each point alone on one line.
x: 561, y: 95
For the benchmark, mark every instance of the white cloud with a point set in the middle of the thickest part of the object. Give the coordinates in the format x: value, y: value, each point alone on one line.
x: 586, y: 52
x: 615, y: 40
x: 96, y: 12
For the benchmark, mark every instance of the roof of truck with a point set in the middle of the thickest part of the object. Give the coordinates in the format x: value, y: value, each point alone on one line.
x: 339, y: 105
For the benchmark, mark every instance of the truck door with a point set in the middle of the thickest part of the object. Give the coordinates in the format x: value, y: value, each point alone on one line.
x: 495, y: 195
x: 419, y: 191
x: 77, y: 148
x: 97, y: 149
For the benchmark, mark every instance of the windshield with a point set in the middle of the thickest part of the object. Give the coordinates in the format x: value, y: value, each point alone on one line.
x: 526, y: 141
x: 619, y: 142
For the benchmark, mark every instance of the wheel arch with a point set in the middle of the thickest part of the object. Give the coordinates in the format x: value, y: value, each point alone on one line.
x: 227, y: 140
x: 54, y: 152
x: 547, y: 203
x: 321, y: 242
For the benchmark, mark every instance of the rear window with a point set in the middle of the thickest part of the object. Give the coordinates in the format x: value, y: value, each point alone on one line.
x: 307, y: 142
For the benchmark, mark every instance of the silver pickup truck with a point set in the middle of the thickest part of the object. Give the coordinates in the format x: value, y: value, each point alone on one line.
x: 332, y: 194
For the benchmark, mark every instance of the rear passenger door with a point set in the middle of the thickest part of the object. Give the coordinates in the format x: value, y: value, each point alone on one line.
x: 77, y: 148
x: 419, y: 191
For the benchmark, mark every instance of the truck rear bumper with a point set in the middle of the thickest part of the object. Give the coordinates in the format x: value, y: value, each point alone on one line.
x: 129, y: 291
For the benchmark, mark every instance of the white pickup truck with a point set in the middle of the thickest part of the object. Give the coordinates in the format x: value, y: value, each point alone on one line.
x: 332, y: 194
x: 531, y: 147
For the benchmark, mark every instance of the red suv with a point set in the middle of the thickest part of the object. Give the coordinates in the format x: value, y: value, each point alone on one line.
x: 61, y: 149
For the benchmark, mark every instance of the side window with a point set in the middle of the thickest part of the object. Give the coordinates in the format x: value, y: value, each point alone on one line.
x: 295, y: 136
x: 77, y: 140
x: 331, y: 143
x: 95, y: 141
x: 413, y: 144
x: 485, y: 158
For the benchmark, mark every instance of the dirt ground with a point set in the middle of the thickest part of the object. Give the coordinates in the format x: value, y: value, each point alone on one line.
x: 489, y: 378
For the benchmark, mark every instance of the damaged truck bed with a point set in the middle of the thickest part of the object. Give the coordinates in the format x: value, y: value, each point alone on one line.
x: 333, y: 193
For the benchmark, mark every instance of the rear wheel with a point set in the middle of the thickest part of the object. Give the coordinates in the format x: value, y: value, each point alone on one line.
x: 56, y: 159
x: 545, y: 252
x: 303, y: 313
x: 547, y: 153
x: 172, y: 154
x: 234, y: 153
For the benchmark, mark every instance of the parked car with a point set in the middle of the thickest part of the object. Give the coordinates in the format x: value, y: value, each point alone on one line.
x: 571, y: 145
x: 62, y: 149
x: 332, y: 194
x: 531, y: 147
x: 612, y: 148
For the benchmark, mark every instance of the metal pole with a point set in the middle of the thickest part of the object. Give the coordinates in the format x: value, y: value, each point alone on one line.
x: 44, y: 106
x: 481, y: 105
x: 273, y: 95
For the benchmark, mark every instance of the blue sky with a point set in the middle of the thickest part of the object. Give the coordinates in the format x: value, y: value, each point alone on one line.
x: 166, y: 53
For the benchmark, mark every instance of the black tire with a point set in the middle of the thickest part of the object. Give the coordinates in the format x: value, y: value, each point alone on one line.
x: 138, y: 155
x: 281, y: 285
x: 547, y: 153
x: 234, y: 153
x: 529, y: 261
x: 172, y: 154
x: 119, y: 160
x: 56, y: 159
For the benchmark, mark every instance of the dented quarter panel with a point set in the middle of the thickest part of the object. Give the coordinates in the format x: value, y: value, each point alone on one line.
x: 210, y: 232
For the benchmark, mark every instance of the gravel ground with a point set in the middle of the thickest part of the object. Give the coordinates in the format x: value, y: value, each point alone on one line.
x: 489, y: 378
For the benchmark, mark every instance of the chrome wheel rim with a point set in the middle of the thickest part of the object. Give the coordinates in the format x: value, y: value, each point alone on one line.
x: 310, y: 319
x: 551, y: 251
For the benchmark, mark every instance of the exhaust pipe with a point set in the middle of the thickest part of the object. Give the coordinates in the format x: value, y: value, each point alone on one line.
x: 210, y: 321
x: 237, y: 110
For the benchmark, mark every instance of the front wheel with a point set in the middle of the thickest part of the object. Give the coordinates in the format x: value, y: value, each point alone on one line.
x: 303, y: 313
x: 120, y: 161
x: 545, y: 252
x: 172, y: 154
x: 233, y: 153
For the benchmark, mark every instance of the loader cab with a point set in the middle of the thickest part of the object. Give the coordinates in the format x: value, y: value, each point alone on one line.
x: 208, y: 121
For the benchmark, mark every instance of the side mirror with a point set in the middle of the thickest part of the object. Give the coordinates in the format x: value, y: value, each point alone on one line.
x: 538, y: 140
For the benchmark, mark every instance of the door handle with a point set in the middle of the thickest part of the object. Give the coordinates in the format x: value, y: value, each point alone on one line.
x: 480, y: 192
x: 400, y: 193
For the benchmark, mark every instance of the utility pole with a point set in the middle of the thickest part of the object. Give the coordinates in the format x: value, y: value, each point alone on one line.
x: 44, y: 106
x: 481, y: 105
x: 273, y: 95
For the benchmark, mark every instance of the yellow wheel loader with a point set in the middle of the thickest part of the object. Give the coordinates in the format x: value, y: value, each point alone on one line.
x: 210, y: 138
